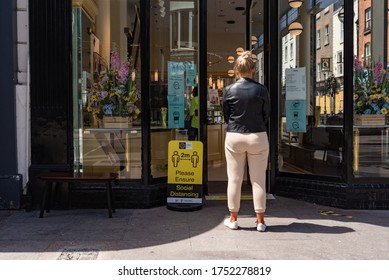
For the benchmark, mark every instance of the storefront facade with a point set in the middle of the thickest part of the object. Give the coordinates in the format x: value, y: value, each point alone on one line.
x: 111, y: 83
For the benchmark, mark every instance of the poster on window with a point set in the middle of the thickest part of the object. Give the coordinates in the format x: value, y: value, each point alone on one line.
x: 176, y: 79
x: 296, y: 84
x: 191, y: 75
x: 296, y: 116
x: 176, y: 113
x: 213, y: 97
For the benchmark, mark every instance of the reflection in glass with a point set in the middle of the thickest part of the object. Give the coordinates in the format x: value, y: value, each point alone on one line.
x: 174, y: 64
x: 370, y: 95
x: 106, y: 80
x: 312, y: 143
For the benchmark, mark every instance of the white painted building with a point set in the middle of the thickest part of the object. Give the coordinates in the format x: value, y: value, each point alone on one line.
x: 23, y: 92
x: 289, y: 54
x: 337, y: 44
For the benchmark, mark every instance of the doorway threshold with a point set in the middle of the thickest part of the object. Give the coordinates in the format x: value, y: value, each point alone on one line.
x: 215, y: 196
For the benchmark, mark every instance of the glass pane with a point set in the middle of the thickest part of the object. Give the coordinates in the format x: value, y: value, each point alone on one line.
x: 106, y: 39
x: 173, y: 64
x: 371, y: 100
x: 226, y: 32
x: 311, y: 120
x: 79, y: 89
x: 257, y: 39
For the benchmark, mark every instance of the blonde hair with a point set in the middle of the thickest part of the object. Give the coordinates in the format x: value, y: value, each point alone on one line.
x: 245, y: 63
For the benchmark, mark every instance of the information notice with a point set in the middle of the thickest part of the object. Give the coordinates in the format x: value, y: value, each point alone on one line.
x: 185, y: 169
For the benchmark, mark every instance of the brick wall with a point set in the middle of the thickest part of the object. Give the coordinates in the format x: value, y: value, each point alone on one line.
x: 348, y: 196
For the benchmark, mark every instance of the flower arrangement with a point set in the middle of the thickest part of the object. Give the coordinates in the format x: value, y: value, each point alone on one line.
x: 370, y: 89
x: 114, y: 93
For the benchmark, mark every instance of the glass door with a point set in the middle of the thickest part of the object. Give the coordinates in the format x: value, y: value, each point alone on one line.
x: 226, y: 38
x: 173, y: 78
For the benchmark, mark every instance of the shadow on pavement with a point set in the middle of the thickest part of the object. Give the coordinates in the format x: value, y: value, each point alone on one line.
x: 140, y: 228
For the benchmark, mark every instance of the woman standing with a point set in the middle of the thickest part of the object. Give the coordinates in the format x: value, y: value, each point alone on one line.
x: 246, y: 109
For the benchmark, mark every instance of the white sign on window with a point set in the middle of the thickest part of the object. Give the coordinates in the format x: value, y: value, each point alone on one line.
x: 296, y: 85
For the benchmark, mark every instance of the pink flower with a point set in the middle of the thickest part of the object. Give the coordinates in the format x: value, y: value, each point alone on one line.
x: 378, y: 73
x: 115, y: 61
x: 123, y: 73
x: 358, y: 65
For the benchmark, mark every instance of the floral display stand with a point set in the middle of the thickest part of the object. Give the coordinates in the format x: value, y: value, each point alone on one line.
x: 114, y: 94
x: 116, y: 122
x: 369, y: 120
x: 371, y: 93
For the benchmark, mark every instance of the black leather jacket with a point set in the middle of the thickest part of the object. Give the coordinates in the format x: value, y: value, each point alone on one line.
x: 246, y: 106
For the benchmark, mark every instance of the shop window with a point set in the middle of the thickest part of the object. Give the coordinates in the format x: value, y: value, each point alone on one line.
x: 106, y: 75
x: 312, y: 120
x: 370, y: 96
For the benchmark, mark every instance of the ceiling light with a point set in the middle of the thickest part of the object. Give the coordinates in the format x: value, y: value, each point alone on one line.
x: 295, y: 28
x: 156, y: 75
x: 239, y: 51
x: 295, y: 3
x: 230, y: 73
x: 231, y: 59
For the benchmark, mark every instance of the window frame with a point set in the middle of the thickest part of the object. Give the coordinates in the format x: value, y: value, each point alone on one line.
x: 326, y: 34
x: 318, y: 39
x: 368, y: 20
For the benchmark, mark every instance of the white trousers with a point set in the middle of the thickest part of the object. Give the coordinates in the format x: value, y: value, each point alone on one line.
x: 255, y: 148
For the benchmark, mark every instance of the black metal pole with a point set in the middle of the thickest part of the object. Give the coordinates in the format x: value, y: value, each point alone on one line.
x: 348, y: 87
x: 203, y: 88
x: 271, y: 80
x: 145, y: 89
x: 8, y: 68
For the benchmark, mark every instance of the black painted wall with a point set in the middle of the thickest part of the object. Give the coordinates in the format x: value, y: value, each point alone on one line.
x: 51, y: 83
x: 50, y: 89
x: 8, y: 68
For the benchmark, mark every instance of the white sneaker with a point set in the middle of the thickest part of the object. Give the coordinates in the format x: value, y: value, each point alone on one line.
x: 261, y: 227
x: 231, y: 225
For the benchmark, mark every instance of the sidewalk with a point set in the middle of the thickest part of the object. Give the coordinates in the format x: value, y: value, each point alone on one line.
x: 296, y: 230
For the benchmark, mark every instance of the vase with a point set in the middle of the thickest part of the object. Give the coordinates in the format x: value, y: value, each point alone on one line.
x: 95, y: 121
x: 369, y: 120
x: 117, y: 122
x: 163, y: 116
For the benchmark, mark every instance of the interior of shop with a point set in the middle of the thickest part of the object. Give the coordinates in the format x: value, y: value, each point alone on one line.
x: 107, y: 139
